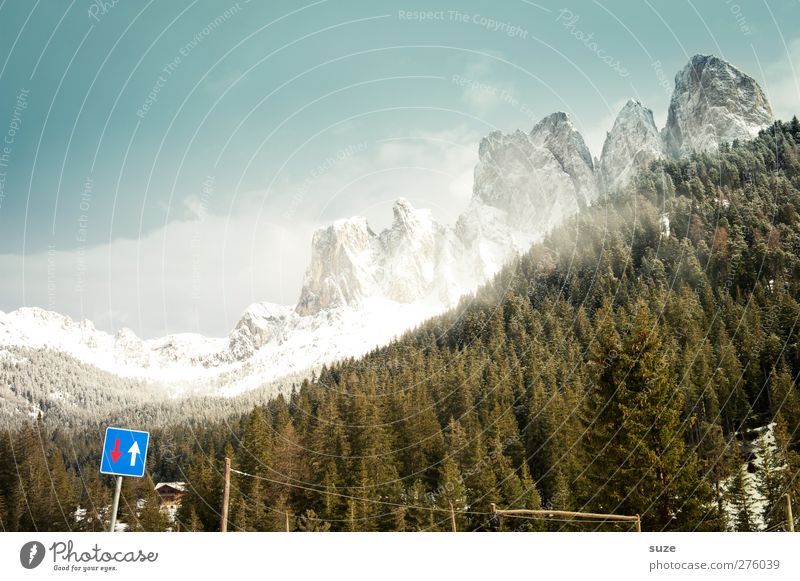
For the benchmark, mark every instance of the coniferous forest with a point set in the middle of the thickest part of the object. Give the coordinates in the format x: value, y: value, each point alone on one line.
x: 627, y: 364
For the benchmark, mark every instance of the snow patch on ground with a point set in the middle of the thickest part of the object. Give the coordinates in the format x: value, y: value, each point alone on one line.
x: 765, y: 438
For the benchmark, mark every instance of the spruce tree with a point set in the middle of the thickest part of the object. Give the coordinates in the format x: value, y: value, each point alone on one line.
x: 741, y: 502
x: 451, y: 493
x: 641, y: 462
x: 150, y: 516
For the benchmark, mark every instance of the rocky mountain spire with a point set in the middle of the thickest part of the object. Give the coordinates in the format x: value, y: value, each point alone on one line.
x: 537, y: 178
x: 713, y: 102
x: 633, y: 143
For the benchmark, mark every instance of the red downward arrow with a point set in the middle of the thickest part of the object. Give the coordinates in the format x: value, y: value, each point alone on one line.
x: 115, y: 453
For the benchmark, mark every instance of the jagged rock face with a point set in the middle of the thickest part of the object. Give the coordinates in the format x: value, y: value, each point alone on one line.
x: 343, y: 258
x: 260, y: 324
x: 350, y: 262
x: 524, y: 185
x: 537, y: 178
x: 410, y: 253
x: 713, y: 103
x: 557, y: 133
x: 633, y: 143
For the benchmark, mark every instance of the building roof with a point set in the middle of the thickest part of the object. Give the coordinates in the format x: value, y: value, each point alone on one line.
x: 179, y: 486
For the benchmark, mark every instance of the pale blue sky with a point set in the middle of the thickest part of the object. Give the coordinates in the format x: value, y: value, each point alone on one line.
x: 256, y: 98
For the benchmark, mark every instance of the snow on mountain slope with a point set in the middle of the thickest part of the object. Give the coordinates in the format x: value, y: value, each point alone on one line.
x: 171, y: 358
x: 328, y: 336
x: 38, y: 328
x: 751, y: 468
x: 270, y: 342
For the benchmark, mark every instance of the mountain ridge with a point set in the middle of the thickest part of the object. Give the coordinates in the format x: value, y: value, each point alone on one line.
x: 368, y: 287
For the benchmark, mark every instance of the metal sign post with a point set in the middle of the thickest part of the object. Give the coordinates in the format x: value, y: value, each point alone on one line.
x: 124, y: 454
x: 115, y: 506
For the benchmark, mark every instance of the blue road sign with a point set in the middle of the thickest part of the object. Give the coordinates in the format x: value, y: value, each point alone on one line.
x: 124, y: 452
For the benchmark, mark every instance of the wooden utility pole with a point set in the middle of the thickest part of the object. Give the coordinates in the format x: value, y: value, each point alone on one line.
x: 494, y: 518
x: 287, y: 520
x: 226, y: 494
x: 569, y: 514
x: 789, y: 517
x: 453, y: 516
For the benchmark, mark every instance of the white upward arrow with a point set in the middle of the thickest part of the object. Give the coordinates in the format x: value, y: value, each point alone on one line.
x: 133, y: 451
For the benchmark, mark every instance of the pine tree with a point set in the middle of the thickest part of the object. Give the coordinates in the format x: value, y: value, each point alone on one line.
x: 239, y: 515
x: 452, y: 492
x: 741, y: 502
x: 308, y: 522
x: 203, y: 493
x: 193, y: 524
x: 94, y: 501
x: 642, y: 465
x: 420, y: 515
x: 784, y: 397
x: 150, y: 517
x: 62, y: 493
x: 4, y: 523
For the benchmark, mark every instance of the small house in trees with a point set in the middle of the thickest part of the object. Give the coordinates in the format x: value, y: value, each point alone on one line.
x: 170, y: 493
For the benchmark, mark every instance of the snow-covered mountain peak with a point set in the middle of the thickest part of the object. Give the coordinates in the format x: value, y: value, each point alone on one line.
x: 34, y: 322
x: 126, y: 334
x: 258, y: 325
x: 536, y: 178
x: 713, y: 102
x: 633, y: 143
x: 559, y: 135
x: 408, y: 219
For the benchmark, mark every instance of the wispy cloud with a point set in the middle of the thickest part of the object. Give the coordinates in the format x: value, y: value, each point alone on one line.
x: 201, y: 270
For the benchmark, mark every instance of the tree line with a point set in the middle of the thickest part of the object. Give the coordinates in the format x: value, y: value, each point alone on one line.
x: 623, y: 365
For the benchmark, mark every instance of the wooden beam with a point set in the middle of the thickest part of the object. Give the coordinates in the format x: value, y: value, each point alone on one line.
x: 568, y: 514
x: 565, y: 513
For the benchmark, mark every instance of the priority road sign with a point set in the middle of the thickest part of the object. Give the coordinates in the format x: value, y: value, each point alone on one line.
x: 124, y: 452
